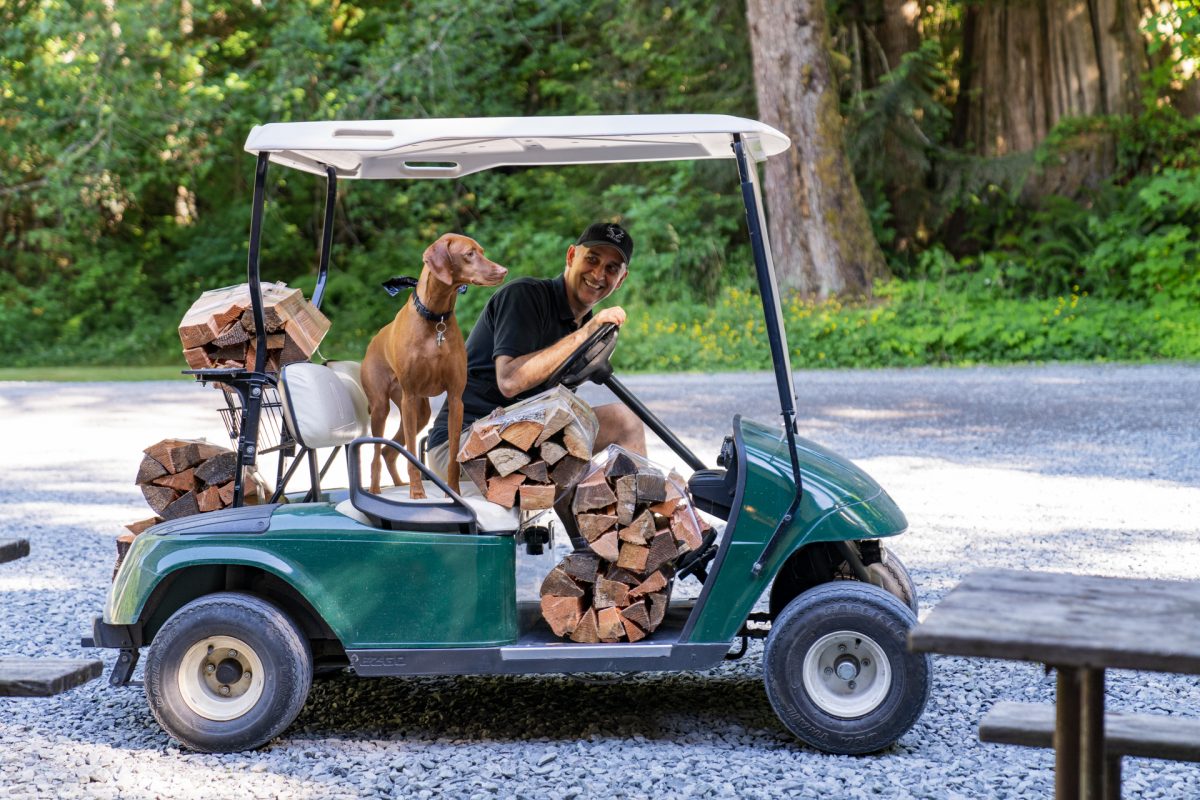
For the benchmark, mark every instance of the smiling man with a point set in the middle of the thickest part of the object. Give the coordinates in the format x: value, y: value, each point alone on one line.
x: 530, y: 326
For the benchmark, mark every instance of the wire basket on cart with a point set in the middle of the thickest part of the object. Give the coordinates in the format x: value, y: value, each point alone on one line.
x: 272, y: 433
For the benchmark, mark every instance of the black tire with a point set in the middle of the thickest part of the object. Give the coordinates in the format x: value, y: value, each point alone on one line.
x: 847, y: 714
x: 893, y: 576
x: 265, y: 671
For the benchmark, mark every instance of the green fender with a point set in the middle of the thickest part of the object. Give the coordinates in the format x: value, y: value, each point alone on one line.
x: 373, y: 588
x: 840, y: 502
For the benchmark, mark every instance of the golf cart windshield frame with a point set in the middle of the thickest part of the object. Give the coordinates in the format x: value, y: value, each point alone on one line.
x: 748, y: 142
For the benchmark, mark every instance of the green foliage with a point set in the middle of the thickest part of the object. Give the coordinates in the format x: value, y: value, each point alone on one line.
x: 910, y: 323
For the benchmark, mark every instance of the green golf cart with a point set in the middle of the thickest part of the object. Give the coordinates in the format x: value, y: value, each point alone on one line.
x: 239, y: 608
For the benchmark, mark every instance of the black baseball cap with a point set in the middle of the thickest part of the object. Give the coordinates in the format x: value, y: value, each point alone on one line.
x: 608, y: 233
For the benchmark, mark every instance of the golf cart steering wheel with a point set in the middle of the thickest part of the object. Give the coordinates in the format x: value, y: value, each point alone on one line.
x: 589, y: 362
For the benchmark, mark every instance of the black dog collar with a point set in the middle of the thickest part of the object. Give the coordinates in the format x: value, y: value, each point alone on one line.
x: 395, y: 285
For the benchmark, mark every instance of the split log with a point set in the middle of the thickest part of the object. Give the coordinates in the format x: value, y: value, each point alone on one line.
x: 180, y: 477
x: 503, y: 489
x: 563, y: 613
x: 551, y: 452
x: 218, y: 328
x: 606, y: 546
x: 507, y: 460
x: 527, y: 438
x: 608, y: 625
x: 522, y: 434
x: 636, y: 521
x: 536, y: 498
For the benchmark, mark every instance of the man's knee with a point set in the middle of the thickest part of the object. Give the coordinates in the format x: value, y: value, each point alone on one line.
x: 619, y: 425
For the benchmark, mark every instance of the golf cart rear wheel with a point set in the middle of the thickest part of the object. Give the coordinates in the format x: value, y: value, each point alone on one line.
x: 227, y: 672
x: 838, y: 672
x: 893, y: 576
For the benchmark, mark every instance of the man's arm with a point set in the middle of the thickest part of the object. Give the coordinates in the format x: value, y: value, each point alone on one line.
x: 516, y: 374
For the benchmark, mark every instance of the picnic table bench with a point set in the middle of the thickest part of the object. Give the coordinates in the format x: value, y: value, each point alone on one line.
x: 40, y: 677
x: 12, y: 549
x: 1079, y: 625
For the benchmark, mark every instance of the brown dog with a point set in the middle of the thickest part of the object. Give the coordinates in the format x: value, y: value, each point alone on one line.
x: 421, y: 354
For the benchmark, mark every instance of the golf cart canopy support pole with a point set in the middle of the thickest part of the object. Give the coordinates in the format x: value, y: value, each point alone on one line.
x: 326, y: 235
x: 252, y: 399
x: 776, y: 336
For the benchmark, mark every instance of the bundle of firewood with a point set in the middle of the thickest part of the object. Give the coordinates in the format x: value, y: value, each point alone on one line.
x: 180, y: 477
x: 218, y: 330
x: 530, y: 452
x: 636, y: 523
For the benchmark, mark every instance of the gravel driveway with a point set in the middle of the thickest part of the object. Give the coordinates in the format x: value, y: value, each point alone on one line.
x: 1090, y: 469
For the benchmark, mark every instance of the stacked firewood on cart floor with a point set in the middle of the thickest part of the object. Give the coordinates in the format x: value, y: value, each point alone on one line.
x: 181, y: 477
x: 529, y: 453
x: 218, y: 330
x: 637, y: 523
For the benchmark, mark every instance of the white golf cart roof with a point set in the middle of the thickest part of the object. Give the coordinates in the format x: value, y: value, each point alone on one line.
x: 450, y: 148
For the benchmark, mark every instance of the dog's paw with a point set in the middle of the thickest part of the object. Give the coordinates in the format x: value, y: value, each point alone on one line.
x: 416, y: 492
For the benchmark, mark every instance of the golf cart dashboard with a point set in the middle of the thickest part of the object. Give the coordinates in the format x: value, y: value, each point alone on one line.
x: 713, y: 490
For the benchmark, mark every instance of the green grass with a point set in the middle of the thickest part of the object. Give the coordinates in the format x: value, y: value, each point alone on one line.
x: 79, y: 374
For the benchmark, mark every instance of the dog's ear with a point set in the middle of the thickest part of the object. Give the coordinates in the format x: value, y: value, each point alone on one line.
x: 437, y: 258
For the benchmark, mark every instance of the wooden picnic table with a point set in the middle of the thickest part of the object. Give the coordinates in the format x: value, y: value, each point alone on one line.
x: 12, y: 549
x: 1080, y: 625
x: 40, y: 677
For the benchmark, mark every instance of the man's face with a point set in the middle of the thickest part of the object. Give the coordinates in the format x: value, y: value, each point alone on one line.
x: 593, y: 273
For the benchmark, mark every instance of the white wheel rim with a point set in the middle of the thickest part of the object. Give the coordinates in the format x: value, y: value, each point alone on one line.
x: 846, y: 674
x: 220, y: 678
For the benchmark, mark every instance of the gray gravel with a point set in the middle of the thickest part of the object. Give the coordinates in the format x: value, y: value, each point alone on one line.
x: 1077, y: 468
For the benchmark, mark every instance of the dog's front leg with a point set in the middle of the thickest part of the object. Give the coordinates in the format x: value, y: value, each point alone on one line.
x: 454, y: 418
x: 414, y: 413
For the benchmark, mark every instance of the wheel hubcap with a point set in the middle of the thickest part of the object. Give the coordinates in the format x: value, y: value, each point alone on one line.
x: 846, y: 674
x: 220, y: 678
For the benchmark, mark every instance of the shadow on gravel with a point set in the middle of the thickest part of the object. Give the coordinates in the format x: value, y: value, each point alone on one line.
x: 672, y: 708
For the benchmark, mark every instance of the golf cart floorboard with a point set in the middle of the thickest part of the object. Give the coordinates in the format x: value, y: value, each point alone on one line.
x: 538, y: 650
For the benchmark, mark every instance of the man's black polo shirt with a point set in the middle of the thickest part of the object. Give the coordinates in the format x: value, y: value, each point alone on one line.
x: 525, y: 316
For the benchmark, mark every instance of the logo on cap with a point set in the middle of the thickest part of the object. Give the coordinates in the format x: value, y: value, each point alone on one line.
x: 614, y: 233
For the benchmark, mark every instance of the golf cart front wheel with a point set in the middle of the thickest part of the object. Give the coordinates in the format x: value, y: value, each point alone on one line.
x: 227, y: 672
x: 838, y: 672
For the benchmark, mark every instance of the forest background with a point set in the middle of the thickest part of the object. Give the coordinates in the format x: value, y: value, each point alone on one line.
x: 125, y: 192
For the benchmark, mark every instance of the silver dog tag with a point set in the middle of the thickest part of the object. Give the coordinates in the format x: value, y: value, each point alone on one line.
x: 441, y: 333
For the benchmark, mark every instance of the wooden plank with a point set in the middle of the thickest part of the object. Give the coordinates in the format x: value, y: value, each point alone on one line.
x: 1068, y: 620
x: 45, y: 677
x: 12, y: 549
x: 1140, y: 735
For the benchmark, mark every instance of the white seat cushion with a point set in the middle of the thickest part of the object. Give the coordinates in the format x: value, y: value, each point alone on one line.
x: 318, y: 407
x: 492, y: 517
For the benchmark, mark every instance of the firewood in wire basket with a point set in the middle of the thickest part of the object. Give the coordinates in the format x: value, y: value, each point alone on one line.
x: 479, y: 441
x: 653, y: 583
x: 633, y: 557
x: 184, y: 506
x: 632, y: 632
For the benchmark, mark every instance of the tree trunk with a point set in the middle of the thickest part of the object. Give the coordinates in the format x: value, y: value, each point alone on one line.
x: 1030, y: 63
x: 821, y: 235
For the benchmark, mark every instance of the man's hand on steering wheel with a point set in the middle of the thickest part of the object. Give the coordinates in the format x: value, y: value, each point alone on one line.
x: 615, y: 315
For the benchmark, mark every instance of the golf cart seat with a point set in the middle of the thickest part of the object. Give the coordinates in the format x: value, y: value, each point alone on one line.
x: 324, y: 406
